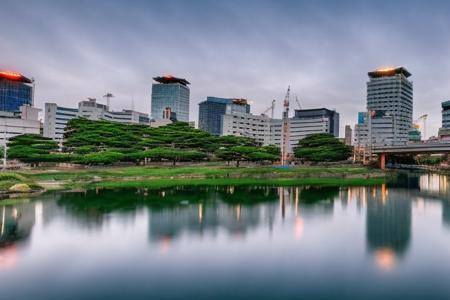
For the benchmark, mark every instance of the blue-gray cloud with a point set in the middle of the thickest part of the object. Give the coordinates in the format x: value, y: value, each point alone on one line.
x: 250, y: 49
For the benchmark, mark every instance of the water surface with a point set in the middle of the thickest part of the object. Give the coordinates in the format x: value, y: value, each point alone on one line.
x: 389, y: 241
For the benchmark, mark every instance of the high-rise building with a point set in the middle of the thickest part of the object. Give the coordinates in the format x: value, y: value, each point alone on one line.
x: 390, y: 104
x: 15, y: 90
x: 211, y: 111
x: 173, y: 93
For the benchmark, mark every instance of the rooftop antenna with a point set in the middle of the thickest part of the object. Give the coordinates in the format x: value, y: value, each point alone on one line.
x: 132, y: 102
x: 108, y: 97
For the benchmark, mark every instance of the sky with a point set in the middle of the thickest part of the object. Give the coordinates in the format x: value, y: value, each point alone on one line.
x: 245, y: 49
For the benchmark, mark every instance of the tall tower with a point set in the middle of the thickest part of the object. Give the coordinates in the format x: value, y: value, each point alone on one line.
x: 389, y: 106
x: 170, y: 92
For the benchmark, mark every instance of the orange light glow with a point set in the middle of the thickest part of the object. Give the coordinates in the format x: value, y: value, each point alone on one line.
x: 387, y: 69
x: 299, y: 228
x: 385, y: 258
x: 10, y: 75
x: 8, y: 257
x: 168, y: 76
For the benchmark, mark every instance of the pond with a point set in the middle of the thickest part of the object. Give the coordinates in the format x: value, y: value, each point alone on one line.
x: 249, y: 242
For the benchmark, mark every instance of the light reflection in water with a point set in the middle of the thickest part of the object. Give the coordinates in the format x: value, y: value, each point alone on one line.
x: 207, y: 212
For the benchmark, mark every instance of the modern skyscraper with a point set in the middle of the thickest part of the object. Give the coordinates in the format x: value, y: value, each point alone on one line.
x: 211, y: 111
x: 173, y: 93
x: 15, y: 90
x: 390, y: 104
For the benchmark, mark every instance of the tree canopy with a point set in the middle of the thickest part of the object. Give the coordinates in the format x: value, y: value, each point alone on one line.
x: 322, y: 147
x: 105, y: 142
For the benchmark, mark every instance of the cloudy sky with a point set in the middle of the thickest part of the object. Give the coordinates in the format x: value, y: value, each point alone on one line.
x: 249, y: 49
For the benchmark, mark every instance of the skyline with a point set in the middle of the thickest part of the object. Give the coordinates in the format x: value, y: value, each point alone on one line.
x: 252, y: 50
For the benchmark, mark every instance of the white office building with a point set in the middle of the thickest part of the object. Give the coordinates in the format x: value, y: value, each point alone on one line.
x: 248, y: 125
x: 57, y: 117
x: 267, y: 131
x: 16, y: 123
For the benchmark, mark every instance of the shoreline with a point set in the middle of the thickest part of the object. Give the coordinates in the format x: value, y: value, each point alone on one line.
x: 43, y: 180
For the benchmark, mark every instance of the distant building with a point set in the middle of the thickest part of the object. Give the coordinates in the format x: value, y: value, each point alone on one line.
x: 213, y: 109
x: 362, y: 117
x: 267, y: 131
x: 15, y: 90
x: 348, y: 135
x: 446, y: 114
x: 414, y: 135
x: 256, y: 127
x: 444, y: 131
x: 16, y: 123
x: 170, y: 92
x: 390, y: 109
x: 57, y: 117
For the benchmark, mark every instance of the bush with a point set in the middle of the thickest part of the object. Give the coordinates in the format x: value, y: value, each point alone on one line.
x: 103, y: 158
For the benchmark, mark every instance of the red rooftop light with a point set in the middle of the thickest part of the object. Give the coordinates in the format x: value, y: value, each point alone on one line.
x: 14, y: 76
x: 10, y: 74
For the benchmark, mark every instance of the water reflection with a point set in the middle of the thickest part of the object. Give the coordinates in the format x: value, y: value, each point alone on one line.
x: 174, y: 214
x: 388, y: 225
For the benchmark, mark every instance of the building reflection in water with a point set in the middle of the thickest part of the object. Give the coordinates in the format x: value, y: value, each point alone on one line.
x: 388, y: 225
x: 236, y: 210
x: 16, y: 224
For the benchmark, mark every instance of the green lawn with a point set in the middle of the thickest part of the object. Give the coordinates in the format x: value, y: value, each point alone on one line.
x: 200, y: 171
x: 192, y: 175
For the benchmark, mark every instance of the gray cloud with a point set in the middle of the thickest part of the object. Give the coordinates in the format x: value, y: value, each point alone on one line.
x: 250, y: 49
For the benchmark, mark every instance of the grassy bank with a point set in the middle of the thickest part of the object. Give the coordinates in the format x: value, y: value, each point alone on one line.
x: 200, y: 175
x: 159, y: 183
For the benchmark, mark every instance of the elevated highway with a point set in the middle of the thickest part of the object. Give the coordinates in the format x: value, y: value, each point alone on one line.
x: 426, y: 148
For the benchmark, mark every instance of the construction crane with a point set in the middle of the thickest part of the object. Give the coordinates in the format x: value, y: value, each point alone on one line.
x: 422, y: 118
x: 298, y: 102
x: 108, y: 96
x: 285, y: 129
x: 270, y: 108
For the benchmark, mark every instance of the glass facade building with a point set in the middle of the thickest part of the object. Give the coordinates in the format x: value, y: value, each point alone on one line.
x: 212, y: 110
x: 15, y: 90
x: 390, y: 102
x: 170, y: 92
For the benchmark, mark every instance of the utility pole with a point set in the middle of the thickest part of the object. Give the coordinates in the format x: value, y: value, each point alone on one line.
x: 285, y: 129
